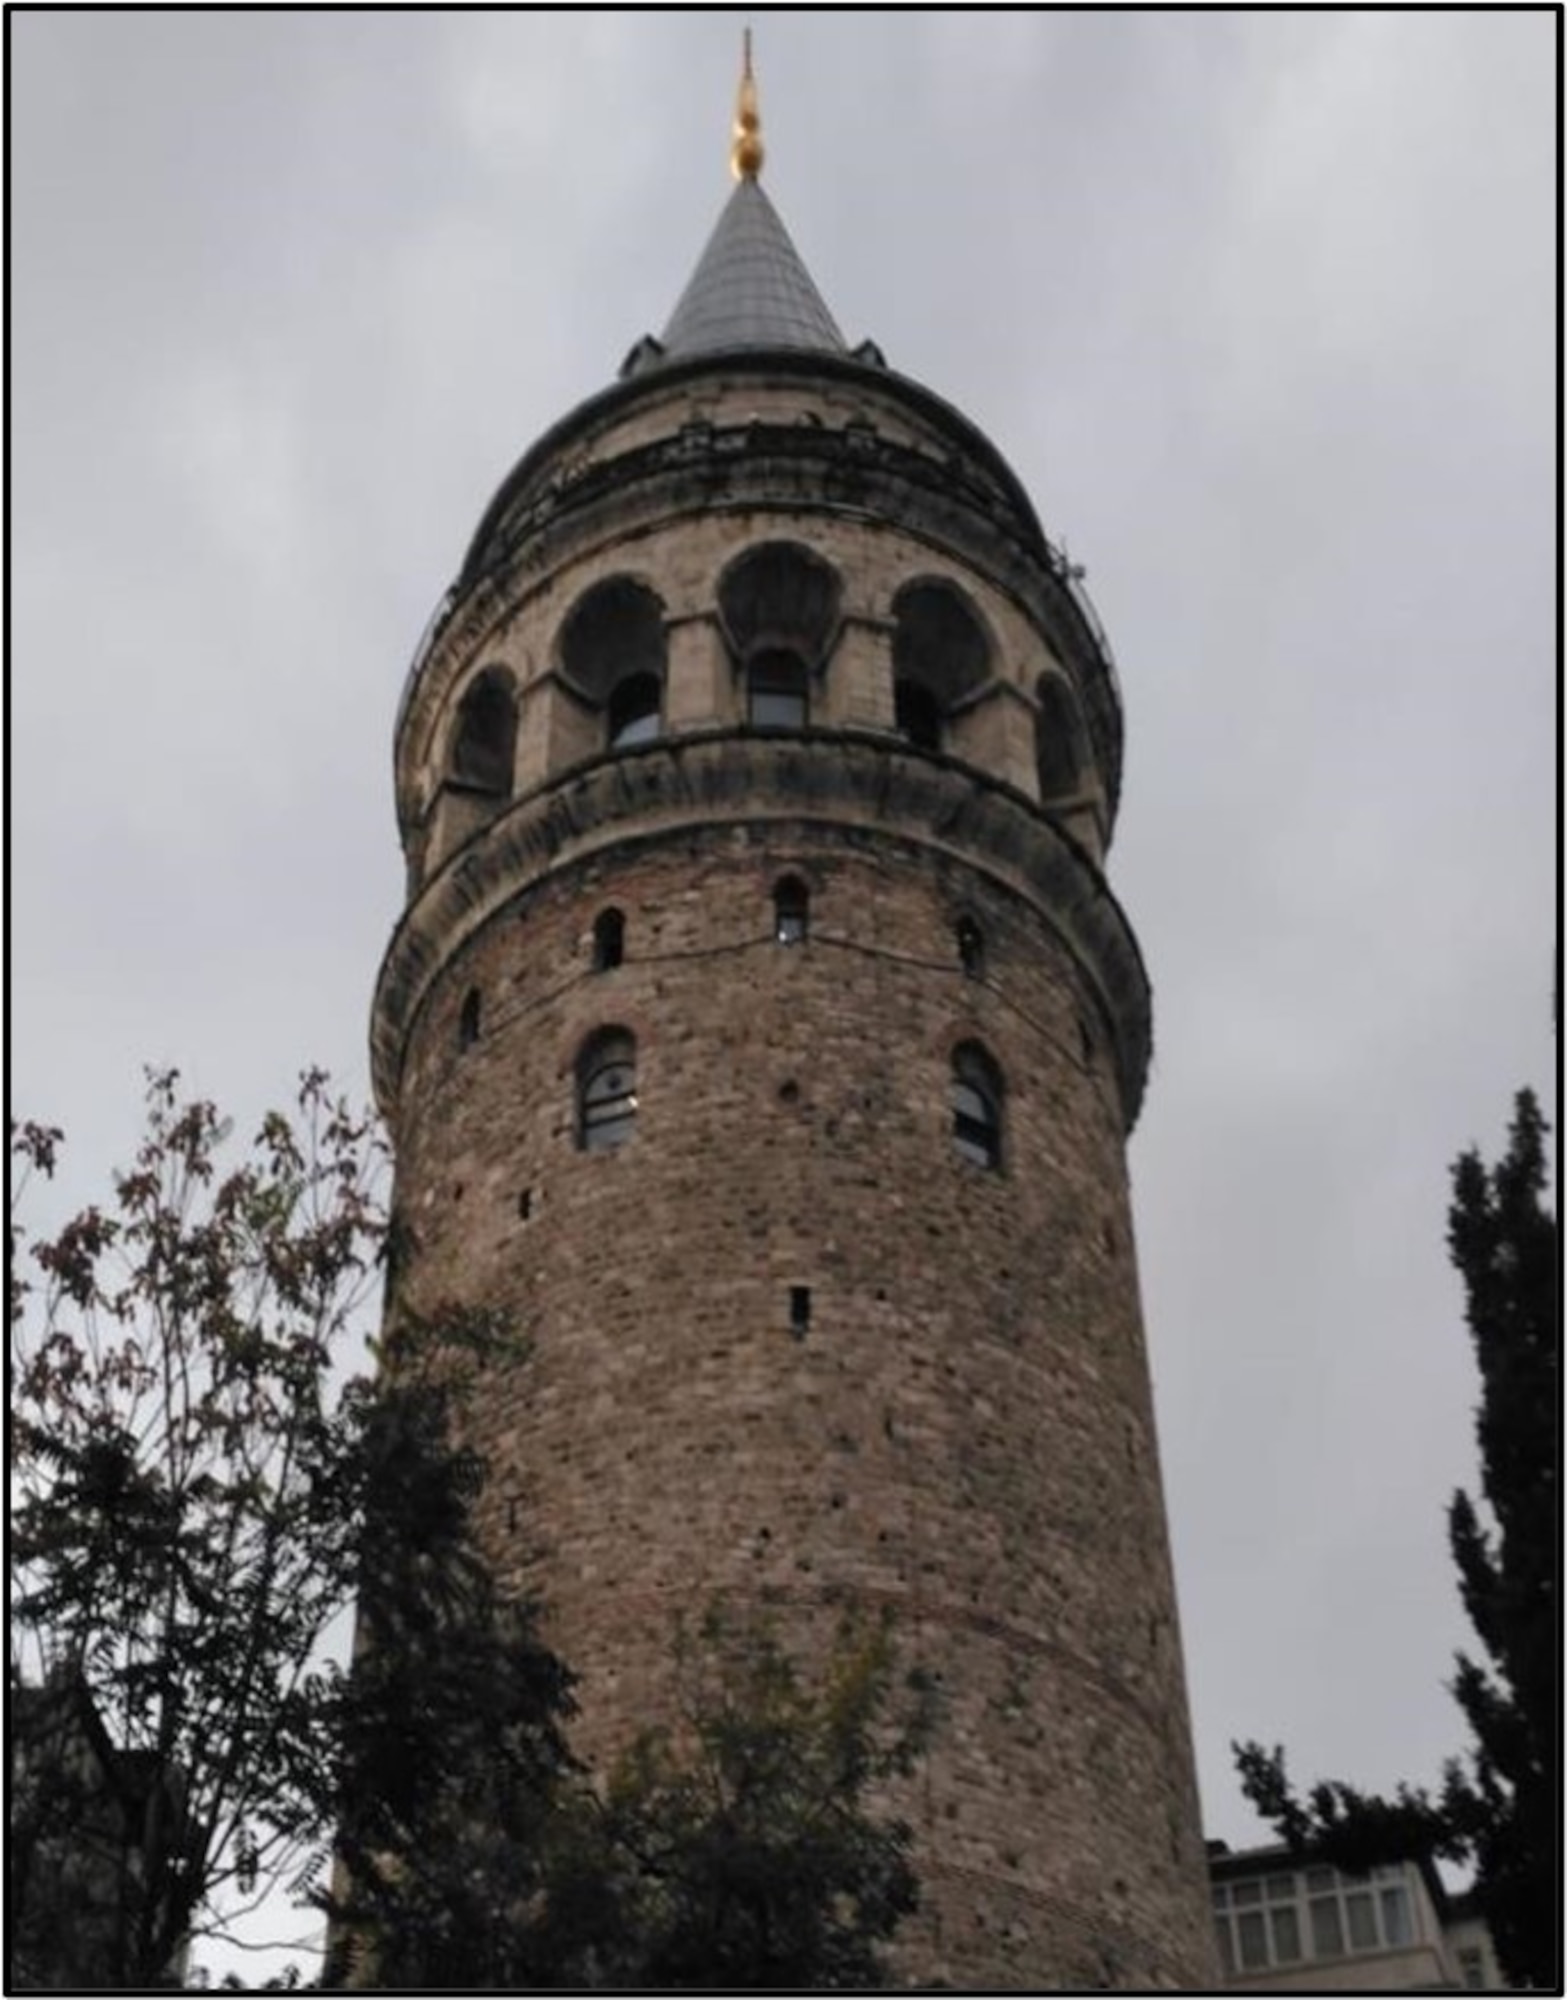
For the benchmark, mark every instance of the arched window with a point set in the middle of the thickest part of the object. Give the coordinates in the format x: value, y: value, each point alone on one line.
x: 1058, y: 744
x: 791, y: 911
x: 606, y: 1091
x: 609, y: 940
x: 468, y: 1020
x: 941, y: 655
x: 635, y: 711
x: 778, y: 605
x: 614, y: 651
x: 971, y: 948
x: 484, y: 744
x: 776, y: 683
x: 976, y: 1106
x: 917, y: 714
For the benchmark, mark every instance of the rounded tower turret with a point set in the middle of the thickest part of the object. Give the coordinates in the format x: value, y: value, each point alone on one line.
x: 762, y: 1034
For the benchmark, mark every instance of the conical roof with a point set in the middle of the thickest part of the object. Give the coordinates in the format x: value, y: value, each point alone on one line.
x: 750, y: 287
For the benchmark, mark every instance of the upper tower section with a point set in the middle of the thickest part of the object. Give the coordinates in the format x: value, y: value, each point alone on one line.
x: 750, y: 287
x: 759, y: 537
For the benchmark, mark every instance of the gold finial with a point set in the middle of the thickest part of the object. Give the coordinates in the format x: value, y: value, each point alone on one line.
x: 745, y: 156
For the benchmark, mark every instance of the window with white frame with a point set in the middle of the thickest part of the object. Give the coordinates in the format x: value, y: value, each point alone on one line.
x: 1288, y: 1916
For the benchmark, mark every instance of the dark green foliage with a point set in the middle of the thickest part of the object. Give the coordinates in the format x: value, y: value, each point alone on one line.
x: 449, y: 1761
x: 1501, y: 1810
x: 738, y: 1850
x: 741, y: 1850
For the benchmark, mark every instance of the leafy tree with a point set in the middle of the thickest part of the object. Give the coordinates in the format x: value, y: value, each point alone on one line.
x: 1501, y: 1811
x: 739, y: 1849
x: 199, y: 1500
x: 450, y: 1763
x: 744, y: 1847
x: 202, y: 1503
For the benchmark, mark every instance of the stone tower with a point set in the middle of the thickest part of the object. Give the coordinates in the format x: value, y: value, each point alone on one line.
x: 762, y: 1033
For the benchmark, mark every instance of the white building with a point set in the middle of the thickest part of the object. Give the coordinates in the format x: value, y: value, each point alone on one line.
x: 1288, y: 1926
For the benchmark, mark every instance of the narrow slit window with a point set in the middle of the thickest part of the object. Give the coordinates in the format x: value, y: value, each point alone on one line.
x: 468, y: 1019
x: 791, y: 911
x: 609, y: 940
x: 971, y: 948
x: 976, y: 1107
x: 799, y: 1310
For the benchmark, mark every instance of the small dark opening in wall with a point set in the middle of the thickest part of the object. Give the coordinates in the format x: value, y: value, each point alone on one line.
x: 799, y: 1310
x: 609, y: 940
x: 468, y: 1020
x: 525, y: 1204
x: 791, y: 911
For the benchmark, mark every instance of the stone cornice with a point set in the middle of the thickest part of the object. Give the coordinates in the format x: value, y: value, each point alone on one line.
x: 833, y: 778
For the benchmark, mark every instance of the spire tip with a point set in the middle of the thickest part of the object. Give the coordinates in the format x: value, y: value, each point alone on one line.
x: 746, y: 154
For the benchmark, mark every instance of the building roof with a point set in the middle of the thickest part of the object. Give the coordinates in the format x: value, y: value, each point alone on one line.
x: 750, y: 287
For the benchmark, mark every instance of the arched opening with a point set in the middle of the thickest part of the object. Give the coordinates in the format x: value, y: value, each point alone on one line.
x: 976, y: 1106
x: 606, y: 1091
x: 614, y: 650
x: 791, y: 911
x: 940, y: 656
x: 1058, y: 740
x: 484, y: 742
x: 971, y: 948
x: 609, y: 940
x: 778, y: 605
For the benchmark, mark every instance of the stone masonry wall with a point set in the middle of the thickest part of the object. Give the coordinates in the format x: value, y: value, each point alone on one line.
x: 962, y: 1435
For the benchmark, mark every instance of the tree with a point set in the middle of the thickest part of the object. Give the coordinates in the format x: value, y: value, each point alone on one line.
x: 199, y: 1500
x: 204, y: 1500
x: 740, y: 1848
x: 744, y: 1848
x: 1501, y: 1810
x: 450, y: 1766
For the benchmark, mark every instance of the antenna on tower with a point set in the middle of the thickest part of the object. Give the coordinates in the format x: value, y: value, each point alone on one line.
x: 746, y: 154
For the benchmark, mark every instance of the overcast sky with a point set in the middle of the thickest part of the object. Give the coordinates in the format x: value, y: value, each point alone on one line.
x: 1261, y: 309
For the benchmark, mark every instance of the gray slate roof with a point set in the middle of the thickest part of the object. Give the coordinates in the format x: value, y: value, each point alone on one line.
x: 750, y: 288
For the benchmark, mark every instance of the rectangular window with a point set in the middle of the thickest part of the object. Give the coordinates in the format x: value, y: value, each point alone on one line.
x: 1471, y: 1967
x: 1362, y: 1921
x: 1254, y: 1940
x: 1226, y: 1947
x: 1286, y: 1932
x: 1327, y: 1936
x: 1396, y: 1927
x: 1246, y: 1892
